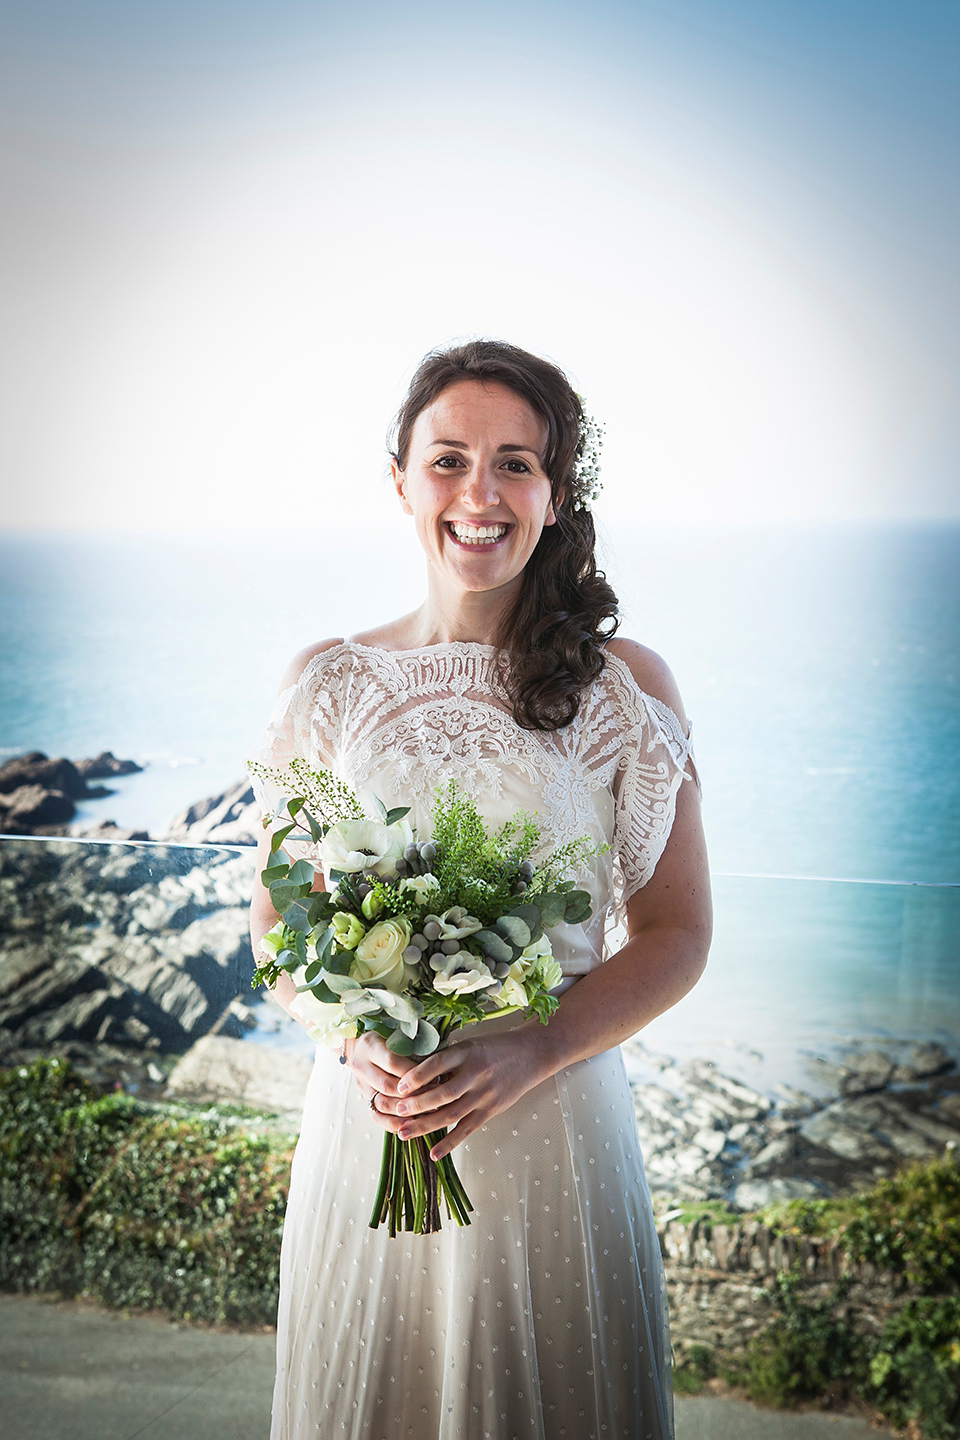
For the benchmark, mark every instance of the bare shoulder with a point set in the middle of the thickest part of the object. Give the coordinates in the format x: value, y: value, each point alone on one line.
x: 651, y: 672
x: 302, y: 659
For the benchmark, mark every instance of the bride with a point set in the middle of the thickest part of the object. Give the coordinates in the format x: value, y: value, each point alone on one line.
x: 546, y: 1317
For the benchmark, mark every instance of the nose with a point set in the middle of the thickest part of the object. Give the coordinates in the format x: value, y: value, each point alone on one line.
x: 480, y: 490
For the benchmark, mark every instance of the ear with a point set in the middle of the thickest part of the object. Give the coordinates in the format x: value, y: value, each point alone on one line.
x: 399, y: 481
x: 551, y: 517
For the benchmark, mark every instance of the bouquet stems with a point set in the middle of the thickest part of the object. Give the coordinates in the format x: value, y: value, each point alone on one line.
x: 411, y: 1184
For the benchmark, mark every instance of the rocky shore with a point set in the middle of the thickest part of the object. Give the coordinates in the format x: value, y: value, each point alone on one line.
x: 38, y: 795
x: 132, y: 961
x: 116, y: 962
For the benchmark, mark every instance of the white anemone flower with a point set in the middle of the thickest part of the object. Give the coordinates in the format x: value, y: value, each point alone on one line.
x: 455, y: 923
x: 461, y: 974
x: 354, y: 845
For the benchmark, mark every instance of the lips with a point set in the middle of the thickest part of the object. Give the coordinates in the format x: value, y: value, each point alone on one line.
x: 476, y: 536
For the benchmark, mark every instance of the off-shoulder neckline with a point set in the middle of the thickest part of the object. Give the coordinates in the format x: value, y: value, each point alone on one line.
x: 484, y: 648
x: 421, y: 649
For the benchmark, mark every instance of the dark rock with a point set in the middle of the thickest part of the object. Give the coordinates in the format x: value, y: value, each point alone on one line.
x: 106, y: 764
x: 230, y: 818
x: 922, y: 1062
x: 866, y: 1072
x: 36, y: 769
x: 110, y: 830
x: 30, y: 809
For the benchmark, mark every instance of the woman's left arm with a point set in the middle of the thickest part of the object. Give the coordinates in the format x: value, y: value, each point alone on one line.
x: 669, y: 928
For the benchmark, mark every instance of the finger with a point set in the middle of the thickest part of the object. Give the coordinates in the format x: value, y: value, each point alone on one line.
x: 444, y: 1118
x: 429, y: 1071
x: 428, y: 1102
x: 370, y: 1049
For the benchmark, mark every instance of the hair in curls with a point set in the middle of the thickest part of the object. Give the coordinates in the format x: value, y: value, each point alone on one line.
x: 551, y: 642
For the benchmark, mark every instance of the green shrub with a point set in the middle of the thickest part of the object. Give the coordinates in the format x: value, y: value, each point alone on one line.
x: 808, y: 1352
x: 914, y: 1371
x: 136, y: 1206
x: 694, y: 1370
x: 909, y: 1224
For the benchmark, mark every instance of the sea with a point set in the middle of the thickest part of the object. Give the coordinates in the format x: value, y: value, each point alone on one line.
x: 820, y: 665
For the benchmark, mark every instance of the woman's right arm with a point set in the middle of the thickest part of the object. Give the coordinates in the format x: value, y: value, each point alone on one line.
x: 375, y: 1068
x: 263, y: 917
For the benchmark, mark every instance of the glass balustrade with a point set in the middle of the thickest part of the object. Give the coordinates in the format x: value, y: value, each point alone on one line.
x: 137, y: 950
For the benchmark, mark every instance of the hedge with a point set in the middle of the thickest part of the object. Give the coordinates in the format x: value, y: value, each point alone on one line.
x: 136, y: 1205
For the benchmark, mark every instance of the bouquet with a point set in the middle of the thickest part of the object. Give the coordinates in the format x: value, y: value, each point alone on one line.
x: 415, y: 937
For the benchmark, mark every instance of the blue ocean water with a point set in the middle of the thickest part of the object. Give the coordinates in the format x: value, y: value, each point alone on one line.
x: 820, y: 665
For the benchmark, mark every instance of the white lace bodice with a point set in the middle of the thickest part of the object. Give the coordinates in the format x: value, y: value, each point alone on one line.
x: 397, y: 724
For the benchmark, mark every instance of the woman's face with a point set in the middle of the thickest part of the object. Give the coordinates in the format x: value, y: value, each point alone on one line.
x: 475, y: 485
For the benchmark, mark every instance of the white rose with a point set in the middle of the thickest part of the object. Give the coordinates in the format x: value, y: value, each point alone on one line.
x: 378, y: 959
x: 461, y: 974
x: 354, y: 845
x: 421, y: 887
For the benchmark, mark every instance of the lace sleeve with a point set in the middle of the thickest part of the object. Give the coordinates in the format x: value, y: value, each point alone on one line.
x: 306, y: 722
x: 653, y: 763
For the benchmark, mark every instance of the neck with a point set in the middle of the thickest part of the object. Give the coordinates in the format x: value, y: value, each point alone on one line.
x: 450, y: 614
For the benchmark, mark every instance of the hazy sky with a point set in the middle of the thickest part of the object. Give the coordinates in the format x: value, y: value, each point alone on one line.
x: 231, y: 231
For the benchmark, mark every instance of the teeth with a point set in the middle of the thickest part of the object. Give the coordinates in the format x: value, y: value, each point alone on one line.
x: 477, y: 534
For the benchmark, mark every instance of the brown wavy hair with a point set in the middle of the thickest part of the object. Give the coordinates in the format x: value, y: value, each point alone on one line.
x: 551, y: 641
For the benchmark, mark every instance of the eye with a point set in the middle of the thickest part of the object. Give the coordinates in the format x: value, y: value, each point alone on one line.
x: 517, y: 467
x: 448, y: 462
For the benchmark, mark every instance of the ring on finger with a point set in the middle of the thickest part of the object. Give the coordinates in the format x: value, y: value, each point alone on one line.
x: 373, y: 1099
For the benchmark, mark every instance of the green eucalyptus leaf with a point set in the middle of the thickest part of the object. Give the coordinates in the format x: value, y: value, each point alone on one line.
x: 312, y: 971
x: 282, y: 894
x: 295, y: 806
x: 497, y: 947
x: 530, y: 915
x: 274, y: 872
x: 323, y: 993
x: 381, y: 808
x: 516, y: 930
x: 578, y: 907
x: 278, y: 837
x: 339, y: 984
x: 340, y: 963
x: 321, y: 907
x: 324, y: 943
x: 401, y: 1044
x: 392, y: 816
x: 302, y: 873
x: 552, y: 909
x: 295, y: 916
x: 427, y: 1040
x: 316, y: 833
x: 300, y: 944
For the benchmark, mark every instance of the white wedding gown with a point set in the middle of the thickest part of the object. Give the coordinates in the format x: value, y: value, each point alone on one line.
x: 546, y: 1316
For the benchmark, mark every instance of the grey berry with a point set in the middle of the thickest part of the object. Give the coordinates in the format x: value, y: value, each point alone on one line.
x: 450, y: 947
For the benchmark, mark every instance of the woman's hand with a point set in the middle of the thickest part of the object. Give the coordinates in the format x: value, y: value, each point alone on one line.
x: 376, y: 1071
x: 462, y: 1087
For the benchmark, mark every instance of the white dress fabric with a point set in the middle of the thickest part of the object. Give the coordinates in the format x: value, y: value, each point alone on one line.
x: 545, y: 1317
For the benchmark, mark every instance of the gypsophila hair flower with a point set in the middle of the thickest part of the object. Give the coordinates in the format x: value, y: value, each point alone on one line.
x: 586, y: 471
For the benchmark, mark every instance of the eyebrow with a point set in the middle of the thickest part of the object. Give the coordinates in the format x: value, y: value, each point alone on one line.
x: 501, y: 449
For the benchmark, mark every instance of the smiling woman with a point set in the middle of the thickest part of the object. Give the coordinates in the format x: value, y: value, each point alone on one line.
x: 518, y: 458
x: 546, y: 1316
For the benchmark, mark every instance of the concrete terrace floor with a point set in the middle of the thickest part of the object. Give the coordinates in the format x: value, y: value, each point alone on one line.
x: 70, y: 1371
